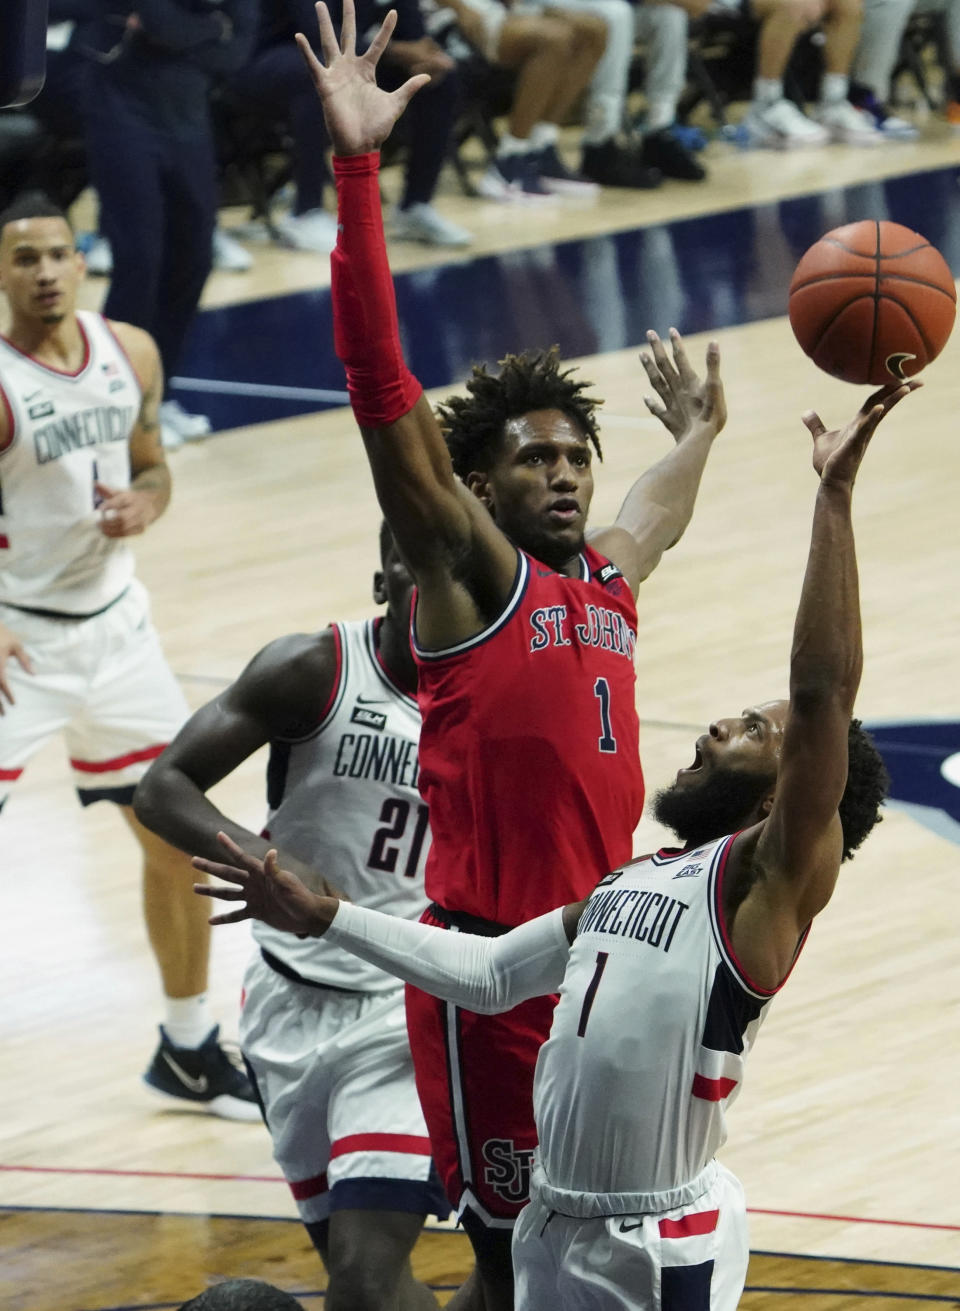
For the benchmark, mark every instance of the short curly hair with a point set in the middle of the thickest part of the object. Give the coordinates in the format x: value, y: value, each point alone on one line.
x: 473, y: 424
x: 867, y: 785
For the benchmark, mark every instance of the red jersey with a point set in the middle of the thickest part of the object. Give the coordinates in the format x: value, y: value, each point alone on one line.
x: 529, y: 750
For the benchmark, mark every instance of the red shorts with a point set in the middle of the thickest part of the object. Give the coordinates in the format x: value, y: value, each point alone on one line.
x: 474, y: 1077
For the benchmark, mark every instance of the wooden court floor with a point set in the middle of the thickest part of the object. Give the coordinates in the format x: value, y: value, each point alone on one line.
x: 846, y: 1134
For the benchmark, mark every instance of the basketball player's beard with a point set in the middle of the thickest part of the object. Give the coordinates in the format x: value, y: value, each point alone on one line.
x: 551, y: 552
x: 721, y: 802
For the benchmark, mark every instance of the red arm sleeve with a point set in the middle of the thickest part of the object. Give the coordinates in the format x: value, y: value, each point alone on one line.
x: 366, y: 332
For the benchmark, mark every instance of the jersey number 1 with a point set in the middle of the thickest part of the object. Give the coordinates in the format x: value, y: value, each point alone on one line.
x: 592, y: 987
x: 607, y: 743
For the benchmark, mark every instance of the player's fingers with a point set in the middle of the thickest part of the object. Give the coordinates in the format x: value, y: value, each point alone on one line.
x: 219, y: 894
x: 233, y: 917
x: 239, y: 856
x: 314, y: 67
x: 654, y: 375
x: 664, y: 363
x: 713, y: 362
x: 382, y: 38
x: 348, y: 28
x: 329, y: 44
x: 687, y: 375
x: 813, y: 423
x: 404, y: 94
x: 655, y: 407
x: 229, y: 873
x: 5, y: 692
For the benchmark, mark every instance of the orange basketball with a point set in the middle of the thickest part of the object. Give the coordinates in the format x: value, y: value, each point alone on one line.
x: 872, y: 302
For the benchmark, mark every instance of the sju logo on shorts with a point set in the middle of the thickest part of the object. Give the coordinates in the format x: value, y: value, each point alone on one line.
x: 508, y: 1169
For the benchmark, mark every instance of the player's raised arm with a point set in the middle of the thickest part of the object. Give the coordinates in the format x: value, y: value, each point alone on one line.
x: 659, y: 505
x: 437, y: 524
x: 794, y: 856
x: 280, y: 694
x: 480, y: 973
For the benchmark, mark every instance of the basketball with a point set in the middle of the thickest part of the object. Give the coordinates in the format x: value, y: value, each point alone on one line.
x: 872, y: 302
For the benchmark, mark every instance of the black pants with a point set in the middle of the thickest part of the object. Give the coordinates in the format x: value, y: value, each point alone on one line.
x: 158, y: 208
x: 277, y: 80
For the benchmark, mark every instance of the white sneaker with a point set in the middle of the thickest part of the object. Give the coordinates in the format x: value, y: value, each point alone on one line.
x: 421, y: 222
x: 170, y: 439
x: 846, y: 123
x: 229, y: 255
x: 100, y: 258
x: 316, y: 230
x: 187, y: 426
x: 782, y: 126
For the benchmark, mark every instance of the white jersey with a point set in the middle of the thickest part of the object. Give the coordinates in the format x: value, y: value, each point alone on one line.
x: 345, y: 801
x: 648, y: 1043
x: 69, y: 430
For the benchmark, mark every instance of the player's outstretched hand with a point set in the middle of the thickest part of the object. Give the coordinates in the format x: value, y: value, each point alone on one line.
x: 684, y: 401
x: 269, y: 893
x: 359, y: 114
x: 837, y: 454
x: 11, y: 648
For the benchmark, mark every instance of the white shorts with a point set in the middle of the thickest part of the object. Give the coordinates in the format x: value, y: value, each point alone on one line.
x: 101, y: 682
x: 693, y: 1258
x: 335, y: 1080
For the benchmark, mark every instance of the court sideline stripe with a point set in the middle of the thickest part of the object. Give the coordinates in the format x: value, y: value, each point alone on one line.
x: 273, y: 390
x: 276, y: 1179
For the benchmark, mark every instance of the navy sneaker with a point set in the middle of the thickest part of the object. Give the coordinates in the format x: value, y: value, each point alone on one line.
x: 513, y: 177
x: 204, y: 1077
x: 556, y: 176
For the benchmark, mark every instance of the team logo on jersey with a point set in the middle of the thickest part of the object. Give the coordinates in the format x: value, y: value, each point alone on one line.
x: 607, y: 572
x: 368, y: 718
x: 40, y: 410
x: 109, y: 368
x: 508, y: 1169
x: 610, y: 878
x: 923, y: 760
x: 115, y: 385
x: 689, y: 872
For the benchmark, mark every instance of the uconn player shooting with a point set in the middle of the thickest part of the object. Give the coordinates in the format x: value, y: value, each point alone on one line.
x: 665, y: 971
x: 322, y: 1031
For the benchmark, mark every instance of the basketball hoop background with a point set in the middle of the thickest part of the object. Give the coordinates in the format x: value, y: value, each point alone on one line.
x: 23, y: 50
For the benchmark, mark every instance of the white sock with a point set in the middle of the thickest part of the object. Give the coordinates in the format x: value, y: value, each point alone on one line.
x: 660, y: 114
x: 544, y: 134
x: 603, y: 120
x: 767, y: 90
x: 834, y: 88
x: 188, y: 1020
x: 513, y: 145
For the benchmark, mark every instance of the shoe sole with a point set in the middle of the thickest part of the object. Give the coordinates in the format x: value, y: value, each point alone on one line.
x: 223, y: 1107
x: 565, y: 187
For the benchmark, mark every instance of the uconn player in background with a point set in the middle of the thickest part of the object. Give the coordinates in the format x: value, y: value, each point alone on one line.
x: 82, y: 469
x: 665, y: 971
x: 324, y: 1033
x: 516, y: 616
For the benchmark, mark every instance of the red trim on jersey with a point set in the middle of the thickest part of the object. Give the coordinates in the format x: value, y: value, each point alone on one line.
x: 51, y: 368
x: 701, y: 1222
x: 118, y: 762
x: 722, y: 922
x: 13, y: 425
x: 304, y: 1189
x: 10, y: 775
x: 712, y: 1090
x: 338, y: 674
x: 408, y: 1143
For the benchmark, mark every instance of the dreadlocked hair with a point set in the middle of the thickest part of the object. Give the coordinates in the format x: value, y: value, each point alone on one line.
x: 867, y: 785
x: 473, y: 424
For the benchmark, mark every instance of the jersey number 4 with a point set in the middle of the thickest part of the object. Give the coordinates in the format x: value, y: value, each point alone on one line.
x: 385, y: 851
